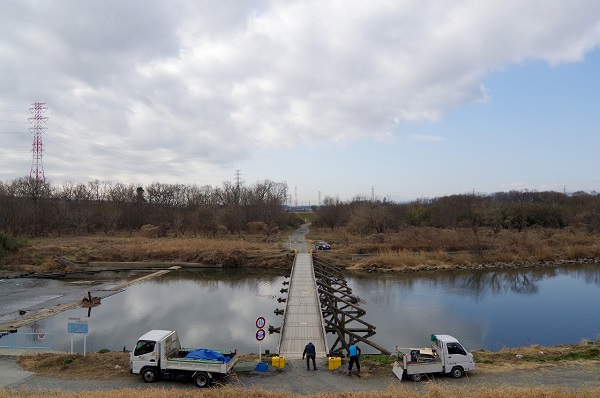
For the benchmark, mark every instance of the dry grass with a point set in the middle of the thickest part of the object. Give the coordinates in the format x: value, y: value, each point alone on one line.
x: 536, y: 354
x: 107, y: 366
x: 431, y: 248
x: 431, y: 391
x: 42, y: 253
x: 411, y: 249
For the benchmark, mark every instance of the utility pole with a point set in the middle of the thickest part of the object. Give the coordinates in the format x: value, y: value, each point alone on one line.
x: 37, y: 148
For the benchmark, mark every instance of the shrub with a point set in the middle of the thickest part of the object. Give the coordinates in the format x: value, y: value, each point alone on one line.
x: 9, y: 244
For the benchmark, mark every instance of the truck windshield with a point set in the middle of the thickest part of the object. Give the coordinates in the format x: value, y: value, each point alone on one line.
x: 143, y: 347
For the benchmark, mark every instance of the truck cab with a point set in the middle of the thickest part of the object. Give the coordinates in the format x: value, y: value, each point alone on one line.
x: 148, y: 351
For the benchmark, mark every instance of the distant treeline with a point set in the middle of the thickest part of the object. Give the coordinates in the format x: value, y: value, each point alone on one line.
x: 30, y: 207
x: 34, y: 207
x: 515, y: 210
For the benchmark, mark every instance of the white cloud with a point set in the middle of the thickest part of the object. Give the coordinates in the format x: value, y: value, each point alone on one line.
x: 212, y: 81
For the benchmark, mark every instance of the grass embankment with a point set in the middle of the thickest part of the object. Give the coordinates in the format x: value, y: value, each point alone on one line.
x: 427, y: 248
x: 114, y: 365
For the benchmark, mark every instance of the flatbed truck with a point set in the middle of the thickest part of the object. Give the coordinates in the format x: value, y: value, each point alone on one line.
x: 158, y: 355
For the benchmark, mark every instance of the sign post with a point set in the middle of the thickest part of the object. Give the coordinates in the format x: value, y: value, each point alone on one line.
x: 260, y: 335
x: 78, y: 326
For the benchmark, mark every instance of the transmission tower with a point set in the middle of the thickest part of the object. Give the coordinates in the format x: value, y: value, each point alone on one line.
x: 37, y: 149
x: 295, y: 196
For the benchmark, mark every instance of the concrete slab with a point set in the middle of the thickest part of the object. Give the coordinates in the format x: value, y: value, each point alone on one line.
x: 10, y: 372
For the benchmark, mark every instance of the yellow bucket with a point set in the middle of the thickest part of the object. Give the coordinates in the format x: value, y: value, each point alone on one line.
x: 278, y: 362
x: 334, y: 363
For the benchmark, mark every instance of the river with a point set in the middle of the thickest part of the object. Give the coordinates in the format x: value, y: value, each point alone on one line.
x: 213, y: 308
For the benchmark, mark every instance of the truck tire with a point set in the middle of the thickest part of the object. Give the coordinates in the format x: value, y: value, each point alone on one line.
x: 457, y: 372
x: 202, y: 379
x: 417, y: 377
x: 149, y: 375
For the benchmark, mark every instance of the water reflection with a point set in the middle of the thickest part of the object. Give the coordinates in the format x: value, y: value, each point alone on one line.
x: 484, y: 309
x: 214, y: 308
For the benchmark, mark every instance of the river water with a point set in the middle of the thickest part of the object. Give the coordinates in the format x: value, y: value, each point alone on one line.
x: 218, y: 309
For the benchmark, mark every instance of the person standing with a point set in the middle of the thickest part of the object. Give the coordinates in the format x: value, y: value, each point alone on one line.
x: 310, y: 352
x: 354, y: 352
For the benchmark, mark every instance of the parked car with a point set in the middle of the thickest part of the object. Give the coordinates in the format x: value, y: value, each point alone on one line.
x: 322, y: 246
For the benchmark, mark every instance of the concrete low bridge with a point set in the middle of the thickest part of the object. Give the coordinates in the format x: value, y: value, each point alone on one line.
x: 319, y: 302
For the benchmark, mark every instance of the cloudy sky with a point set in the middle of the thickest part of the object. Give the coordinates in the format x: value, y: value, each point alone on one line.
x: 401, y: 99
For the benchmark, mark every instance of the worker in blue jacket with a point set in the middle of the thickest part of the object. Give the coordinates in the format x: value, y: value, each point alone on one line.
x: 310, y: 352
x: 354, y: 352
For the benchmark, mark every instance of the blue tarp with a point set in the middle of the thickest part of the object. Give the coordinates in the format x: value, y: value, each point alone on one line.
x: 203, y: 353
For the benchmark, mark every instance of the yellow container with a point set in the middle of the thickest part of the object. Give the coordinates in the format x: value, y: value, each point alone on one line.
x: 278, y: 362
x: 334, y: 363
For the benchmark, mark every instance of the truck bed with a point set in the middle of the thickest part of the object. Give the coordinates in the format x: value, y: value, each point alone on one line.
x: 178, y: 361
x: 425, y: 364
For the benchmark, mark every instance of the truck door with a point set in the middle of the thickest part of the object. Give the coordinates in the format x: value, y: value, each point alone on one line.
x: 456, y: 355
x: 145, y: 353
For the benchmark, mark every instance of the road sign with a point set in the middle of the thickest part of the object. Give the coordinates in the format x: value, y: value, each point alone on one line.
x: 260, y: 322
x: 260, y: 334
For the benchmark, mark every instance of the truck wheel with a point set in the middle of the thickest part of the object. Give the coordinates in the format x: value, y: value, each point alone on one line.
x: 202, y: 379
x: 457, y: 372
x: 149, y: 375
x: 417, y: 377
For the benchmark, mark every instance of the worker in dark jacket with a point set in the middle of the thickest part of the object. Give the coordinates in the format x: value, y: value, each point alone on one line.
x: 310, y: 352
x: 354, y: 352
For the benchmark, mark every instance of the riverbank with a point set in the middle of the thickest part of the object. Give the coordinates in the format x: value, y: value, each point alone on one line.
x: 412, y: 249
x: 107, y: 374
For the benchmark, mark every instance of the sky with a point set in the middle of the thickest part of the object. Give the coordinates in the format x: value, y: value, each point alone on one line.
x: 399, y: 99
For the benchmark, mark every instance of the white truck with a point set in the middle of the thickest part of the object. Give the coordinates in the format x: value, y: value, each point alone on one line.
x: 445, y: 356
x: 158, y: 354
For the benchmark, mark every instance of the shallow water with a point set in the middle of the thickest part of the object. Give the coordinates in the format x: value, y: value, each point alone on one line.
x: 218, y: 309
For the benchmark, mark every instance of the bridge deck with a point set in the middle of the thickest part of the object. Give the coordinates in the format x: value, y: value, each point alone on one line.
x: 303, y: 320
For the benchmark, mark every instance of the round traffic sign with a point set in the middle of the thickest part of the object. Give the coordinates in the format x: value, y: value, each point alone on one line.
x: 260, y: 322
x: 260, y: 335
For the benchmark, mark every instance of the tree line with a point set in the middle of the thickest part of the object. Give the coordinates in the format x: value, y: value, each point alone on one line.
x: 514, y: 210
x: 35, y: 207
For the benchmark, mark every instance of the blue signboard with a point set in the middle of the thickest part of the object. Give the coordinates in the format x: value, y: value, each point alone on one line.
x: 78, y: 328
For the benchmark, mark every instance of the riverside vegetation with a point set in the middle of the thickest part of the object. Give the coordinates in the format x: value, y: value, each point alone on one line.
x: 248, y: 227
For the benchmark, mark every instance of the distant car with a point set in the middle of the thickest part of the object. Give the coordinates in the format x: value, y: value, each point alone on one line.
x: 322, y: 246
